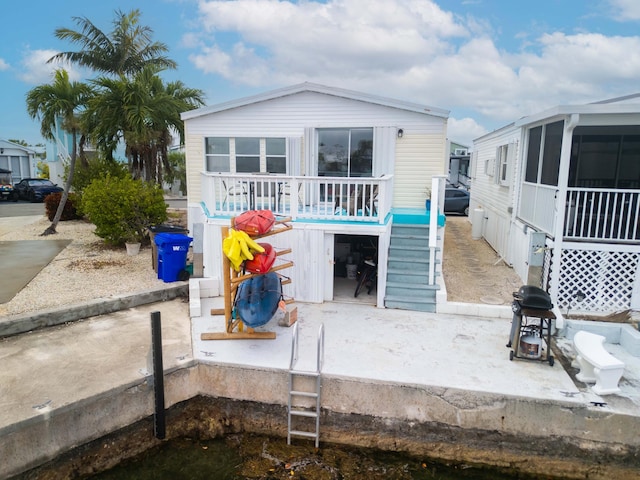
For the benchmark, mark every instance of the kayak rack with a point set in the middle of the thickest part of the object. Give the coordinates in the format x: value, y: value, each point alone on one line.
x: 234, y: 327
x: 304, y: 391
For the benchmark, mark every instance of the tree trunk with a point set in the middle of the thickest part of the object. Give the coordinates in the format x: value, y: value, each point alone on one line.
x: 51, y: 229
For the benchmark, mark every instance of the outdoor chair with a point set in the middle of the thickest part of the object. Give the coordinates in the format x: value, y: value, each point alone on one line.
x: 235, y: 192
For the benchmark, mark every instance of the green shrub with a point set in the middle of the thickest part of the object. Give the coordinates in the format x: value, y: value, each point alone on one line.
x: 97, y: 167
x: 69, y: 212
x: 122, y: 209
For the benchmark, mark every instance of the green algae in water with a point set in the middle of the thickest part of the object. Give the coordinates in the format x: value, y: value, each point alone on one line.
x: 249, y: 457
x: 180, y: 459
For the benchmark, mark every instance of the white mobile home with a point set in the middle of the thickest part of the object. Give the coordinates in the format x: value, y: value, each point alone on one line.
x: 20, y: 160
x: 344, y: 166
x: 557, y: 195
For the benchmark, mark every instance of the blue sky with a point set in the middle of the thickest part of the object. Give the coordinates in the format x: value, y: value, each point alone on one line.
x: 487, y: 61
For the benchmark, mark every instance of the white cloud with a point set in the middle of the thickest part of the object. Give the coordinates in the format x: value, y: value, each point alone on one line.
x: 346, y: 38
x: 35, y: 70
x: 464, y: 130
x: 411, y: 50
x: 626, y: 10
x: 3, y: 65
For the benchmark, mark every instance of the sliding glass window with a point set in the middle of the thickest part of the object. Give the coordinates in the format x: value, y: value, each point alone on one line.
x: 345, y: 152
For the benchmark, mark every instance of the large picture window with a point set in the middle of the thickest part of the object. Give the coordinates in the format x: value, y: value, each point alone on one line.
x: 246, y: 154
x: 345, y: 152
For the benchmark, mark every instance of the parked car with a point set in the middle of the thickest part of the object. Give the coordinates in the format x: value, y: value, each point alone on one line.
x: 456, y: 200
x: 34, y: 189
x: 6, y: 189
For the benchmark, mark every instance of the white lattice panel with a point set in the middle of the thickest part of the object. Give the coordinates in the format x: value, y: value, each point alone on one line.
x: 605, y: 278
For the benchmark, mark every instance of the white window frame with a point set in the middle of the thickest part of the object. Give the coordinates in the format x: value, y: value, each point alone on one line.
x: 502, y: 165
x: 489, y: 167
x: 232, y: 168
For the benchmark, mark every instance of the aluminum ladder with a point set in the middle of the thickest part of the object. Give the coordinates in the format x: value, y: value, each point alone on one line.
x: 301, y: 395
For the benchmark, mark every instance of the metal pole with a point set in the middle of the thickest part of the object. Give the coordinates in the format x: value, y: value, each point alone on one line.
x: 158, y: 376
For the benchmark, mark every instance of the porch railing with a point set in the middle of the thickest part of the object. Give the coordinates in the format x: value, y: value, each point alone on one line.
x: 591, y: 214
x: 362, y: 199
x: 538, y: 206
x: 599, y: 214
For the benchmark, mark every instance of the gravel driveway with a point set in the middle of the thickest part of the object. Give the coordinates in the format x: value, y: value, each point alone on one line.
x: 472, y: 270
x: 87, y: 269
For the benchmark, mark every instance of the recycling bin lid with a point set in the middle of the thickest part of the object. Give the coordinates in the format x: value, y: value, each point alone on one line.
x: 166, y: 228
x: 172, y: 238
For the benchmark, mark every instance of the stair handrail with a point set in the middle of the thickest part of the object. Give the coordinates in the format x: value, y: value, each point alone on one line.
x: 294, y: 346
x: 437, y: 199
x: 319, y: 352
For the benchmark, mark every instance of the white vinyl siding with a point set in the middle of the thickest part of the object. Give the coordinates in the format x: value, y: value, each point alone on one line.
x: 296, y: 117
x: 492, y: 185
x: 419, y: 157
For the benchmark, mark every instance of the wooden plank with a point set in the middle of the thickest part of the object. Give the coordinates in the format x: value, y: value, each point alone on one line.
x: 532, y: 312
x: 238, y: 336
x: 246, y: 276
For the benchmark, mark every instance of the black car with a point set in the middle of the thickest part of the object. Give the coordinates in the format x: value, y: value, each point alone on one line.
x: 456, y: 200
x: 34, y: 189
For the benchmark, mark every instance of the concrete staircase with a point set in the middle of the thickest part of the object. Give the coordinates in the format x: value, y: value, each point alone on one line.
x: 408, y: 269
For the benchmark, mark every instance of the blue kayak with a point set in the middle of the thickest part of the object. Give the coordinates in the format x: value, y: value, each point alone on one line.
x: 257, y: 299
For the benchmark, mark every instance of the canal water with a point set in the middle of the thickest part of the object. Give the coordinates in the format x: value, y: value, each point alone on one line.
x: 243, y: 457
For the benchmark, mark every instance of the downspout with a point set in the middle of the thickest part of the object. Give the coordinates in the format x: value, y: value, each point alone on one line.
x: 563, y: 182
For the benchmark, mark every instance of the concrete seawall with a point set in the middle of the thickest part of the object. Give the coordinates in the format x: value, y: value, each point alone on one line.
x: 527, y: 435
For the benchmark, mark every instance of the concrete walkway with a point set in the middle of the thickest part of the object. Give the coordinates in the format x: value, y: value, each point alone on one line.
x: 68, y: 384
x: 61, y: 371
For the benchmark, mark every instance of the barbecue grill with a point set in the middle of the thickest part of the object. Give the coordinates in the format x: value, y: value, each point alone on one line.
x: 531, y: 324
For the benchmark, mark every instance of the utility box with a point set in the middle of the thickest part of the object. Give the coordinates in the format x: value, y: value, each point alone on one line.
x: 537, y: 245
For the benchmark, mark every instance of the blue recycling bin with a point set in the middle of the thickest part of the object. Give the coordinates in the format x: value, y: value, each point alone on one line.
x: 172, y: 256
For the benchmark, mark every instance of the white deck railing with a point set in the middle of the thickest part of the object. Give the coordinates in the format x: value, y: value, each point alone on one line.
x: 591, y: 214
x: 362, y: 199
x: 598, y: 214
x: 538, y: 206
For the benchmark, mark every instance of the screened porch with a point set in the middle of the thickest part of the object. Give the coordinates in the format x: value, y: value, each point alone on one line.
x: 599, y: 193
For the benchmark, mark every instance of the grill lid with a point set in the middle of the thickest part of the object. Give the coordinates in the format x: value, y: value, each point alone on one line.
x: 533, y: 297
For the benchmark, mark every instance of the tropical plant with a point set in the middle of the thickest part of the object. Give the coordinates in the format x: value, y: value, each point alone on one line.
x: 43, y: 170
x: 142, y: 111
x: 126, y: 50
x: 61, y: 99
x: 178, y: 172
x: 123, y: 209
x: 132, y: 102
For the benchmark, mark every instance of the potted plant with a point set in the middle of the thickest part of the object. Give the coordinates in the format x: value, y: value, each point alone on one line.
x: 133, y: 245
x: 132, y: 239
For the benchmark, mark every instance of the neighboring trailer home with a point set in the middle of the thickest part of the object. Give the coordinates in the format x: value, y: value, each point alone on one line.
x: 18, y: 159
x: 347, y: 167
x: 556, y: 194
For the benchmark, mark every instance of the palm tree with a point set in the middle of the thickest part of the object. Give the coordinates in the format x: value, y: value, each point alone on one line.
x: 132, y: 103
x: 60, y: 99
x: 142, y: 111
x: 125, y: 51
